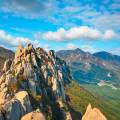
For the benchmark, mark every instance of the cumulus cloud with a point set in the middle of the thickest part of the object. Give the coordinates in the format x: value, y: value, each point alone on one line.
x: 76, y: 33
x: 82, y: 32
x: 10, y: 40
x: 109, y: 34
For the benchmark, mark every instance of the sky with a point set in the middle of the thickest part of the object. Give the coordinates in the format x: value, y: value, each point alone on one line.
x: 91, y: 25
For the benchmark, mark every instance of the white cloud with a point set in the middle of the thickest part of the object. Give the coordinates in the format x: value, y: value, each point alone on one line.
x: 9, y: 40
x: 109, y: 34
x: 71, y: 46
x: 76, y: 33
x: 70, y: 14
x: 36, y: 43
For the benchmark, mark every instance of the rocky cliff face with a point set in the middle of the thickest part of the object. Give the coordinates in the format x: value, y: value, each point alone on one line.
x: 34, y: 81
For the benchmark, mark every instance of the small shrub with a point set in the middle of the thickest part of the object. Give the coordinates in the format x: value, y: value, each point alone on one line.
x: 12, y: 88
x: 36, y: 97
x: 20, y: 81
x: 50, y: 81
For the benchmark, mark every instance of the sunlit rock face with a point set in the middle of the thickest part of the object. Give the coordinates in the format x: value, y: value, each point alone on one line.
x: 34, y: 80
x: 16, y: 107
x: 33, y: 116
x: 93, y: 114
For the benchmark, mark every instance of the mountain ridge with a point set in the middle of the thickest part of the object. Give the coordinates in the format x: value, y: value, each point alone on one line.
x: 91, y: 67
x: 4, y: 55
x: 108, y: 56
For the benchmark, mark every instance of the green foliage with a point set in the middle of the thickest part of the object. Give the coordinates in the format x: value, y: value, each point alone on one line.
x: 50, y: 81
x: 16, y: 86
x: 36, y: 97
x: 49, y: 113
x: 108, y: 94
x: 12, y: 88
x: 18, y: 62
x: 20, y: 81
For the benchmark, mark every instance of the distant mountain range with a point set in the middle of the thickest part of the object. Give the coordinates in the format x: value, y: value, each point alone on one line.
x: 5, y: 54
x: 115, y: 59
x: 92, y: 68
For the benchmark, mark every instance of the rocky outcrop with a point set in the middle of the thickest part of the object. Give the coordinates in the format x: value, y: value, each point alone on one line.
x: 34, y: 80
x: 7, y: 65
x: 93, y: 114
x: 15, y: 108
x: 23, y: 98
x: 33, y: 116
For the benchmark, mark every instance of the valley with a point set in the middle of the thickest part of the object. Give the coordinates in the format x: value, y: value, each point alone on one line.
x: 105, y: 98
x: 112, y: 96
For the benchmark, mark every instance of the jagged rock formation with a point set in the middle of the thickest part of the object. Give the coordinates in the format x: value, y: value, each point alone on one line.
x: 93, y: 114
x: 16, y: 107
x: 34, y: 80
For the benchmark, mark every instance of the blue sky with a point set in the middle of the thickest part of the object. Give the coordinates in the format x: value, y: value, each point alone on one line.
x: 92, y: 25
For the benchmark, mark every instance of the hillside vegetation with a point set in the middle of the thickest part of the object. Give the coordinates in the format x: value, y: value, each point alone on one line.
x: 80, y: 98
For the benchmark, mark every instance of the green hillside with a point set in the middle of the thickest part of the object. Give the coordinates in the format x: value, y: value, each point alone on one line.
x: 108, y: 94
x: 80, y: 97
x: 95, y: 74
